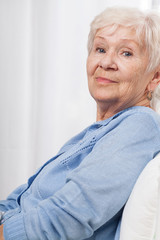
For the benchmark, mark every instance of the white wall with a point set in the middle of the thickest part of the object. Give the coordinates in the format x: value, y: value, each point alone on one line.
x: 44, y: 98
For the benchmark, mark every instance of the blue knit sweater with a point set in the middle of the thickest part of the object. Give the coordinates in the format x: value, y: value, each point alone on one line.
x: 80, y: 193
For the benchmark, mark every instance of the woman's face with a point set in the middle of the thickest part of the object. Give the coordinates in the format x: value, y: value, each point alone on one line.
x: 116, y: 68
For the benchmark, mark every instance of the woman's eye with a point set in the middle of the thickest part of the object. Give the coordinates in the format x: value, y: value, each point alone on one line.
x: 127, y: 54
x: 100, y: 50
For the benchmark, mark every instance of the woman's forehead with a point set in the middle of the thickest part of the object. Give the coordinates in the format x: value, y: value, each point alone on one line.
x: 120, y: 32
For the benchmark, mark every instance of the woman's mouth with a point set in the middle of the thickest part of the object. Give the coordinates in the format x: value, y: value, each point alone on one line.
x: 104, y: 80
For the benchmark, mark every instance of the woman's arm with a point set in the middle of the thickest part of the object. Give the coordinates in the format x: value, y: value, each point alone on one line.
x: 94, y: 192
x: 11, y: 201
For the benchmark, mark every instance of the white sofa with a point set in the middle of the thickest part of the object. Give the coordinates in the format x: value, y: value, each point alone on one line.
x: 141, y: 216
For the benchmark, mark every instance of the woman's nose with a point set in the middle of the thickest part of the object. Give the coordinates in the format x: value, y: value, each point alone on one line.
x: 108, y: 62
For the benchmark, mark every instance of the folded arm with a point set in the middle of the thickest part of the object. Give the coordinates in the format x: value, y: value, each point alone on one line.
x: 11, y: 201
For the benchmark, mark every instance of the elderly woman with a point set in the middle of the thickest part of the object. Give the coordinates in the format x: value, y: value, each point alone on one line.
x: 81, y: 192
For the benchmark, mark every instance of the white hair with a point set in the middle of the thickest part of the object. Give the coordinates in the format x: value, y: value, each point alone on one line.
x: 147, y: 28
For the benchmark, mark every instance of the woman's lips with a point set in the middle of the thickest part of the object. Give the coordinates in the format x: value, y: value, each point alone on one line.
x: 104, y: 80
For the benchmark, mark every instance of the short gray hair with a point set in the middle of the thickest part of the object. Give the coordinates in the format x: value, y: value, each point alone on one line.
x: 146, y: 25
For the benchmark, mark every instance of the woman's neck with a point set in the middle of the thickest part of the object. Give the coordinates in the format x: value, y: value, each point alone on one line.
x: 104, y: 112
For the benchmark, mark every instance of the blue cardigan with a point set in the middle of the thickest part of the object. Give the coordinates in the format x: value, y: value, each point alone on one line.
x: 80, y: 193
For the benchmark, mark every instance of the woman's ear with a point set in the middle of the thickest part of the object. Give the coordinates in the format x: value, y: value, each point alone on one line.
x: 154, y: 82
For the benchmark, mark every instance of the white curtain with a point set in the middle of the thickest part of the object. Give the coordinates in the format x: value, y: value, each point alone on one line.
x: 44, y: 98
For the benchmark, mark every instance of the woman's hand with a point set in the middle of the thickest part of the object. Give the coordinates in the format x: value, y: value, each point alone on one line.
x: 1, y: 233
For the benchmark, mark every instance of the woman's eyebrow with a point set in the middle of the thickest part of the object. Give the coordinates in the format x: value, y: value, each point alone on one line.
x: 100, y: 37
x: 129, y: 40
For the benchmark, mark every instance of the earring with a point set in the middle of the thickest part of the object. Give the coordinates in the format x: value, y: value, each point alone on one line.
x: 149, y: 95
